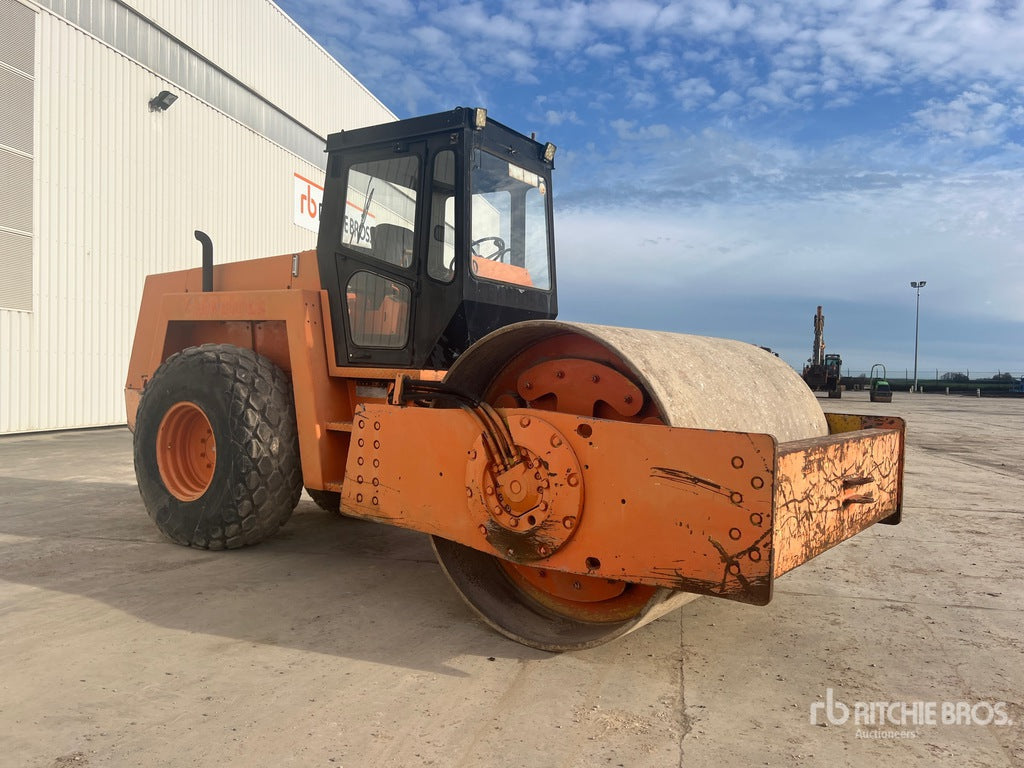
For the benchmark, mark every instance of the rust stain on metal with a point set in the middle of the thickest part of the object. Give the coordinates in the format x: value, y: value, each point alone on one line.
x: 682, y: 476
x: 863, y: 498
x: 817, y: 500
x: 526, y: 547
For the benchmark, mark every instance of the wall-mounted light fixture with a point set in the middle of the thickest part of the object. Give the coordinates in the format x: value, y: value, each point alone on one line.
x: 162, y: 101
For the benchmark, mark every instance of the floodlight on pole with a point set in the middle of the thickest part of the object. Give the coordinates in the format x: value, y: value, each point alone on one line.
x: 918, y: 284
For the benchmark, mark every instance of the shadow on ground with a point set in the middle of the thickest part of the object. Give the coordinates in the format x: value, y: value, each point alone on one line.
x: 325, y: 583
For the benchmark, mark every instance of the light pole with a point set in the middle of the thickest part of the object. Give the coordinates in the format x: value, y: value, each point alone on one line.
x: 918, y: 284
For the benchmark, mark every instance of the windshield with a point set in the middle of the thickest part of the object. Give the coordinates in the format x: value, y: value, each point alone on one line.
x: 509, y: 239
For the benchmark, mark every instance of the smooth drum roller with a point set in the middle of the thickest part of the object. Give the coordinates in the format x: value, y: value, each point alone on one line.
x: 622, y: 374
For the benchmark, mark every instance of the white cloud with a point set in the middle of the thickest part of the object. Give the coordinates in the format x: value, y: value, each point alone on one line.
x: 629, y: 15
x: 975, y: 117
x: 473, y: 22
x: 432, y: 38
x: 555, y: 117
x: 774, y: 26
x: 727, y: 101
x: 627, y: 130
x: 522, y: 63
x: 703, y: 56
x: 561, y: 27
x: 717, y: 16
x: 964, y: 234
x: 604, y: 50
x: 396, y: 8
x: 643, y: 99
x: 656, y: 62
x: 693, y: 91
x: 784, y: 56
x: 772, y: 94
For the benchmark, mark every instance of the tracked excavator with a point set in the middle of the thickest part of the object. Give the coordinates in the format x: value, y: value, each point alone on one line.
x: 577, y: 480
x: 823, y: 372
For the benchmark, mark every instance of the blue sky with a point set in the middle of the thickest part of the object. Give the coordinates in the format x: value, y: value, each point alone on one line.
x: 724, y: 167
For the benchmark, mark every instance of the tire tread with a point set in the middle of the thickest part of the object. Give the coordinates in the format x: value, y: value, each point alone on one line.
x: 265, y: 478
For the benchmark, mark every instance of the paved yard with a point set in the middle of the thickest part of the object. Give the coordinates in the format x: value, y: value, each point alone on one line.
x: 340, y: 643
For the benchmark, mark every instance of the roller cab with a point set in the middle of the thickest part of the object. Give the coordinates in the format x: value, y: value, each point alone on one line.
x: 434, y: 232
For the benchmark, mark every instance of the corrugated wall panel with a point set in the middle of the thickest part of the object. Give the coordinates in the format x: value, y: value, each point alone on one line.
x: 120, y: 190
x: 15, y: 101
x: 298, y: 75
x: 152, y: 46
x: 17, y: 96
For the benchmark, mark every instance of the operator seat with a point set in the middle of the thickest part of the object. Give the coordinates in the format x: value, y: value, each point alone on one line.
x: 392, y: 244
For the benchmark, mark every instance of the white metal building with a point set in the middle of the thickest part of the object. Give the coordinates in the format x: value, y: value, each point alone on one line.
x: 100, y: 187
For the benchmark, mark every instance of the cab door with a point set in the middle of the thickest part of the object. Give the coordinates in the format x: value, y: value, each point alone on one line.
x: 377, y: 255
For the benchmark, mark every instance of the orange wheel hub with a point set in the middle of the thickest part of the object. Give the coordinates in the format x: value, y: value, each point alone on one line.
x: 570, y: 377
x: 186, y: 452
x: 584, y: 598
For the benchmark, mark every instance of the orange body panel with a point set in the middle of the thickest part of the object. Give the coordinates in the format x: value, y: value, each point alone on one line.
x: 299, y: 349
x: 499, y: 270
x: 853, y: 480
x: 711, y: 512
x: 273, y: 273
x: 274, y: 306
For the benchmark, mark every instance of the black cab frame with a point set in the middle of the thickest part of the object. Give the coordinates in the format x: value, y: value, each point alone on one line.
x: 434, y: 231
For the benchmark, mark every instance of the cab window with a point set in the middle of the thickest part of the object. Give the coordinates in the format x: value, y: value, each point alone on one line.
x: 378, y: 311
x: 380, y: 209
x: 509, y: 226
x: 441, y: 251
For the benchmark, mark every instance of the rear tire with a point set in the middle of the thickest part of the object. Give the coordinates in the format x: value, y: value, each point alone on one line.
x: 217, y: 449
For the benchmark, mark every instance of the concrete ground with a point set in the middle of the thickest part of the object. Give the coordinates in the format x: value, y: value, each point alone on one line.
x: 340, y: 643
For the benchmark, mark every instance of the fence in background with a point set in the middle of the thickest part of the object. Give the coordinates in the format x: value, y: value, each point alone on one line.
x: 989, y: 382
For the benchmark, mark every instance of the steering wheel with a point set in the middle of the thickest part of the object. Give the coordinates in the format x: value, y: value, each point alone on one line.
x: 499, y: 245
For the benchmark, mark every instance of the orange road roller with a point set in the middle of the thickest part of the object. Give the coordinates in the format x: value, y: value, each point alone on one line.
x: 577, y: 480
